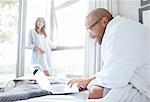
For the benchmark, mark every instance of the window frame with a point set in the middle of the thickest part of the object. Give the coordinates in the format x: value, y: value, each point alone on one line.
x: 21, y: 38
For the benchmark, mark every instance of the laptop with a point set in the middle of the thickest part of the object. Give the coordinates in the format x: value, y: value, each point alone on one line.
x: 45, y: 84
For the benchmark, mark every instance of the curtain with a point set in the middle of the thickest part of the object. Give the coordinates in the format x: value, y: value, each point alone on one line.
x: 93, y: 61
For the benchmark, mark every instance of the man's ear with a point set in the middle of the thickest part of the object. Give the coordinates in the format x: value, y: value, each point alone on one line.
x: 104, y: 21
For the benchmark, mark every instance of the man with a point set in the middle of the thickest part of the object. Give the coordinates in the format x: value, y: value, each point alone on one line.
x: 125, y: 51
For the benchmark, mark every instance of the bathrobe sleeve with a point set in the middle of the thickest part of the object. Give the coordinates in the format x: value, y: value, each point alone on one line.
x: 30, y: 40
x: 122, y: 52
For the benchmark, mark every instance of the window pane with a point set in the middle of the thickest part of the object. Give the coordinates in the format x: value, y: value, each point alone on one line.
x: 70, y: 62
x: 8, y: 38
x: 69, y: 31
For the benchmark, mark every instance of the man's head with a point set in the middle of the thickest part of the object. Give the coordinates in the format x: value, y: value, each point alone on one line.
x: 96, y: 22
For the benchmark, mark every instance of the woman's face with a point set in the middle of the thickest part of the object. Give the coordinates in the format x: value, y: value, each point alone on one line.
x: 40, y: 23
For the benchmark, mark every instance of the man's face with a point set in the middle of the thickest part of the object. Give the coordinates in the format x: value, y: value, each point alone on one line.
x: 95, y: 29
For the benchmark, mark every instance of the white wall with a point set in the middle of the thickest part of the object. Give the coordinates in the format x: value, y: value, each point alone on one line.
x: 129, y: 8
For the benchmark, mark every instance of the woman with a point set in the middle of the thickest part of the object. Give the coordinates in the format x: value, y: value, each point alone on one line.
x: 41, y: 47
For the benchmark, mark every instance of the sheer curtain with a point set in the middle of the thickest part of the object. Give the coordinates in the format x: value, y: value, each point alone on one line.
x: 93, y: 61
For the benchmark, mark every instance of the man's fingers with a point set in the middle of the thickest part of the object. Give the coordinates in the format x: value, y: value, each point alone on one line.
x: 71, y: 82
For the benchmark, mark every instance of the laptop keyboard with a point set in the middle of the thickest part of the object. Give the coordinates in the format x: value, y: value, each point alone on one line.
x: 58, y: 88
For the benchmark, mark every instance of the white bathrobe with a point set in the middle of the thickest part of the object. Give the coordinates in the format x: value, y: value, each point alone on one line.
x: 125, y: 52
x: 44, y: 60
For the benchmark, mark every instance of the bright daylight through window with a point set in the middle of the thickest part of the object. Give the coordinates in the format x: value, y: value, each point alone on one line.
x: 8, y: 38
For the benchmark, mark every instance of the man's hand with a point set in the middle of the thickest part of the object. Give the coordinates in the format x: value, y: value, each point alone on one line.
x: 95, y: 92
x: 82, y: 83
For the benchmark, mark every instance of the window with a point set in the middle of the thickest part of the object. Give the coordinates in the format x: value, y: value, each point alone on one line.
x: 68, y: 30
x: 8, y: 38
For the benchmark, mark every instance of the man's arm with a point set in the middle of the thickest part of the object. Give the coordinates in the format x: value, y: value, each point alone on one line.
x: 96, y: 92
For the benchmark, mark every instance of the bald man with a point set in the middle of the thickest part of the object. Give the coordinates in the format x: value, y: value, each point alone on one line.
x: 125, y: 53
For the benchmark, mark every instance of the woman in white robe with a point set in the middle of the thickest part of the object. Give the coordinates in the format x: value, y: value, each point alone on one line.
x: 41, y: 47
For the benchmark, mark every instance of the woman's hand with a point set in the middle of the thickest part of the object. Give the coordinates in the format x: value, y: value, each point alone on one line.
x: 39, y: 49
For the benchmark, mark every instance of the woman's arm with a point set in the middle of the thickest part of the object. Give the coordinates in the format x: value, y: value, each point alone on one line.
x: 30, y: 42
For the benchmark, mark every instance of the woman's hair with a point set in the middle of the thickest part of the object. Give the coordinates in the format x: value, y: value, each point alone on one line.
x: 42, y: 29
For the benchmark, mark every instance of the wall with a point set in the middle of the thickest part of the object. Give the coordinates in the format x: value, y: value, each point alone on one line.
x: 129, y: 8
